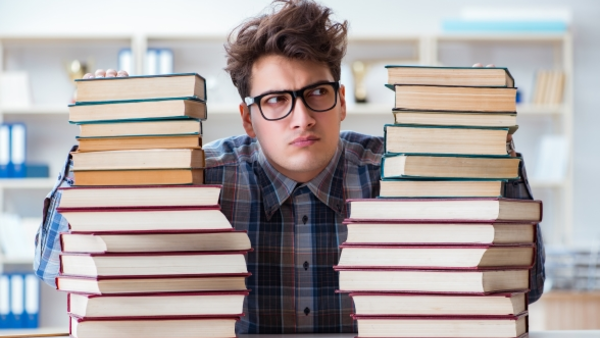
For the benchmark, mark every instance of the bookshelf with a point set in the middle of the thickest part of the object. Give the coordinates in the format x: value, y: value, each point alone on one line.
x: 50, y: 135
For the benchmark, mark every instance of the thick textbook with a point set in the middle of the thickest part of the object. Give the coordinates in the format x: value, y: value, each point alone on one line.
x: 139, y: 177
x: 140, y: 110
x: 442, y: 327
x: 88, y: 144
x: 191, y: 327
x: 389, y: 233
x: 146, y: 284
x: 419, y: 139
x: 144, y: 219
x: 363, y: 256
x: 433, y: 281
x: 141, y: 128
x: 446, y: 210
x: 153, y: 264
x: 140, y: 196
x: 156, y: 305
x: 139, y: 159
x: 405, y: 304
x: 155, y: 241
x: 452, y: 98
x: 450, y: 76
x: 184, y: 85
x: 440, y: 188
x: 456, y: 119
x: 437, y: 166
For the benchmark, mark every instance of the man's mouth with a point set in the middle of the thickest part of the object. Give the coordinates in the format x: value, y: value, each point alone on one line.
x: 304, y: 141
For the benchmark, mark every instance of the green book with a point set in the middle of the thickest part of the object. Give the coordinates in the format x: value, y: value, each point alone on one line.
x: 418, y: 139
x: 129, y: 88
x: 442, y: 188
x: 450, y: 76
x: 138, y: 110
x: 449, y: 167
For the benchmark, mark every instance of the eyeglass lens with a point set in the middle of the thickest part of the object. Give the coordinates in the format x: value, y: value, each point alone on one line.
x: 319, y: 98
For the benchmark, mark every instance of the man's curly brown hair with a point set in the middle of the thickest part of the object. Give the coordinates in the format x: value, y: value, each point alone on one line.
x: 296, y: 29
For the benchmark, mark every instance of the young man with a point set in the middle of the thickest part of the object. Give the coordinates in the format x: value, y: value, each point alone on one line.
x: 287, y: 180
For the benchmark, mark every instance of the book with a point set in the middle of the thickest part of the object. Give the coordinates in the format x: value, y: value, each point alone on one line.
x: 4, y: 150
x: 221, y: 327
x: 153, y: 264
x: 156, y: 305
x: 32, y: 301
x: 139, y: 196
x: 73, y: 242
x: 141, y: 128
x: 455, y: 119
x: 88, y: 144
x: 440, y: 233
x: 139, y: 159
x: 433, y: 281
x: 144, y: 284
x: 184, y: 85
x: 449, y: 166
x: 446, y: 209
x: 362, y: 256
x: 150, y: 110
x: 139, y: 177
x: 430, y: 188
x: 444, y: 327
x: 454, y: 98
x: 144, y: 219
x: 450, y: 76
x: 419, y: 139
x: 405, y: 304
x: 18, y: 150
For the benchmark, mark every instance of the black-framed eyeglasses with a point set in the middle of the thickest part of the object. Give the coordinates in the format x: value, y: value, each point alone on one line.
x: 277, y: 105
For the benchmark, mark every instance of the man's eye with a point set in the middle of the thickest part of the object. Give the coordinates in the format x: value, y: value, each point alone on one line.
x: 275, y: 99
x: 319, y: 91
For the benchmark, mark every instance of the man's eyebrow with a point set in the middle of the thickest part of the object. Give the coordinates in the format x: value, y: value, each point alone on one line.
x: 271, y: 91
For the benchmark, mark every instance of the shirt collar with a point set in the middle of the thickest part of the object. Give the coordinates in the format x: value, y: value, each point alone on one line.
x: 327, y: 186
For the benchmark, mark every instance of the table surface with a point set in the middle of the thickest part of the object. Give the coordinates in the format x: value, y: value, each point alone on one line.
x: 538, y: 334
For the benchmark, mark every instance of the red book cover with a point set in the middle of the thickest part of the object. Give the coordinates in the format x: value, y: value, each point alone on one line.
x: 144, y: 186
x: 138, y: 209
x: 159, y: 294
x: 427, y: 220
x: 453, y: 317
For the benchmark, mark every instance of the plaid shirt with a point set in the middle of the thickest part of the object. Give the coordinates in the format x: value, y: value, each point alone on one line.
x: 295, y: 230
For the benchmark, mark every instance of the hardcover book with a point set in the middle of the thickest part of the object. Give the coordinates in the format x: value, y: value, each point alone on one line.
x: 141, y: 128
x: 450, y: 76
x: 438, y: 188
x: 140, y: 110
x: 139, y: 159
x: 184, y: 85
x: 156, y: 305
x: 446, y: 210
x: 456, y: 119
x: 89, y: 144
x: 139, y: 177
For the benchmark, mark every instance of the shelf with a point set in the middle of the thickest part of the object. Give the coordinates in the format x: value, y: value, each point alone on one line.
x: 34, y: 332
x: 536, y: 109
x: 507, y: 37
x: 37, y: 109
x: 27, y: 183
x: 15, y: 261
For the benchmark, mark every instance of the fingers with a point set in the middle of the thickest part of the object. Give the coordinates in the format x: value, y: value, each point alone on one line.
x: 111, y: 73
x: 491, y: 65
x: 100, y: 73
x: 477, y: 65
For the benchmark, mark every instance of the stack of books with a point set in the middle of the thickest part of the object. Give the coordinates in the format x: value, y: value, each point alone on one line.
x: 441, y: 253
x: 149, y: 252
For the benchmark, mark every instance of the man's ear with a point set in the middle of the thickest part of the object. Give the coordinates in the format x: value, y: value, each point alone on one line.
x: 342, y: 92
x: 247, y: 120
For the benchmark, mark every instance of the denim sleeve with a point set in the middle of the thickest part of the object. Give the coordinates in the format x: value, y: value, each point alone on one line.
x: 47, y: 240
x: 520, y: 189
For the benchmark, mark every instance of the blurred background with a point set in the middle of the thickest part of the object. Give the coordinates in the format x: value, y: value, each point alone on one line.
x: 550, y: 47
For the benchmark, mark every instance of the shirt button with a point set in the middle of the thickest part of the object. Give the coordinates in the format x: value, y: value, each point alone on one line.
x: 305, y: 265
x: 304, y: 219
x: 306, y: 311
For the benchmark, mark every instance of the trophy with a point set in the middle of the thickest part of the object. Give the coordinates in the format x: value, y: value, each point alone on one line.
x: 359, y: 72
x: 76, y: 70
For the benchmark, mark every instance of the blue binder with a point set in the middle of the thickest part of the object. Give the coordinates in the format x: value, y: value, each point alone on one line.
x: 32, y: 302
x: 17, y: 295
x: 4, y: 149
x: 5, y: 302
x: 18, y: 150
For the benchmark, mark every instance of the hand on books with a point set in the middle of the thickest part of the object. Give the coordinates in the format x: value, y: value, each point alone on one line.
x: 108, y: 73
x: 491, y: 65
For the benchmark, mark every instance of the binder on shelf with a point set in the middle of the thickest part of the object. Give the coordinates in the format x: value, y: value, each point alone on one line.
x: 17, y: 295
x: 32, y: 302
x: 18, y: 150
x: 5, y: 322
x: 4, y: 149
